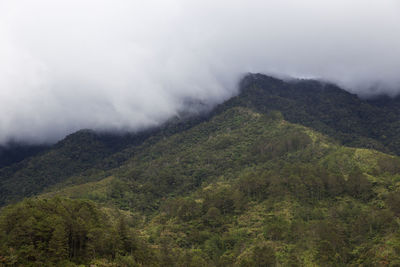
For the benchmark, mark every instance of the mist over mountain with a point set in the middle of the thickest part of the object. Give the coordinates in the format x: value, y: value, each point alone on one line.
x: 129, y: 65
x: 298, y: 173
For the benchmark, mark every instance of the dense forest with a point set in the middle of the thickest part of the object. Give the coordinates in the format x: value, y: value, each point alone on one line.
x: 287, y: 173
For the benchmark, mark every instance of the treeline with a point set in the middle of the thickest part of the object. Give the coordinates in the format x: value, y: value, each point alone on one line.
x: 240, y: 188
x: 263, y: 219
x: 63, y: 232
x: 370, y: 123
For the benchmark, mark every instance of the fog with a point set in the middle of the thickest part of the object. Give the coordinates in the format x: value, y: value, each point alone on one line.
x: 126, y: 64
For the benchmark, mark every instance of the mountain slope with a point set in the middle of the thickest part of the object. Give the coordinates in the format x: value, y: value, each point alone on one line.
x: 243, y: 186
x: 14, y: 153
x: 371, y: 123
x: 75, y: 156
x: 321, y: 106
x: 246, y: 187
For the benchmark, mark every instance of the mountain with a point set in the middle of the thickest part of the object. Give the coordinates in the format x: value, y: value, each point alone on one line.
x: 15, y: 152
x: 371, y: 123
x: 287, y: 173
x: 75, y: 156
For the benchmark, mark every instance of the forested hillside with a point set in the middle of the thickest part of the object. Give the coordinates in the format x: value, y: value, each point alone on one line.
x: 296, y: 173
x: 15, y: 152
x: 371, y: 123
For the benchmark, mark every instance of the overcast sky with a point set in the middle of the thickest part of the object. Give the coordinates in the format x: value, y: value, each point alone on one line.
x: 128, y: 64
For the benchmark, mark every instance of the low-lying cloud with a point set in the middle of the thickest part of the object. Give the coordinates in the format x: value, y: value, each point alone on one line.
x: 128, y: 64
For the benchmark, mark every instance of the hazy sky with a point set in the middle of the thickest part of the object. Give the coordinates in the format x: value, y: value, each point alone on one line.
x: 128, y: 64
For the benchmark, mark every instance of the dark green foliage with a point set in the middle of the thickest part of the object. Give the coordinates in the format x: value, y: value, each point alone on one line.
x: 290, y: 142
x: 14, y: 152
x: 393, y: 201
x: 73, y: 155
x: 389, y: 164
x: 80, y: 157
x: 261, y: 255
x: 56, y: 231
x: 276, y: 228
x: 185, y: 209
x: 243, y: 189
x: 358, y: 185
x: 327, y: 108
x: 324, y: 107
x: 242, y: 186
x: 331, y: 246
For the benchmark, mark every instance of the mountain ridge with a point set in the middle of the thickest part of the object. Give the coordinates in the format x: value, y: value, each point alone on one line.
x: 264, y: 179
x: 322, y: 106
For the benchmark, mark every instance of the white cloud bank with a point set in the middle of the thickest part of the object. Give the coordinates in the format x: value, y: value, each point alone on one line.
x: 129, y: 64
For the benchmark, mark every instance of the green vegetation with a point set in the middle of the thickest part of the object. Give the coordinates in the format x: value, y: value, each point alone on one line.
x: 328, y: 109
x: 244, y: 186
x: 66, y: 232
